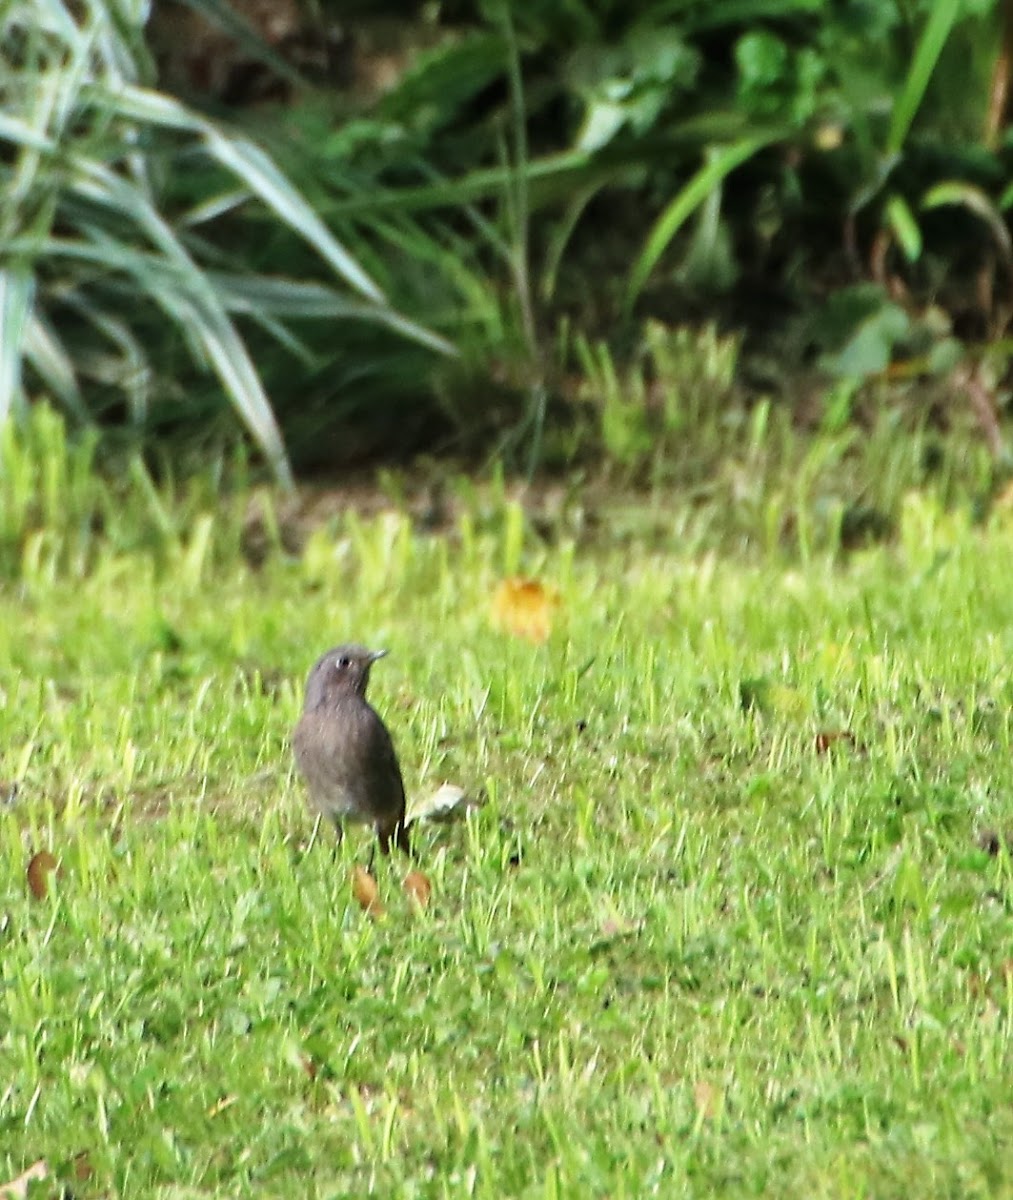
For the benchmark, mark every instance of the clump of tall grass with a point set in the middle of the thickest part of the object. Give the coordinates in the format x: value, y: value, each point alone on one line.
x: 100, y: 285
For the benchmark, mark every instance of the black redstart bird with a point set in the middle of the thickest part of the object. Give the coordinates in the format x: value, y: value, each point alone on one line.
x: 344, y: 751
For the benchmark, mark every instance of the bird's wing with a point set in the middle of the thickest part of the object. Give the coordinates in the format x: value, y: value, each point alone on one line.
x: 387, y: 769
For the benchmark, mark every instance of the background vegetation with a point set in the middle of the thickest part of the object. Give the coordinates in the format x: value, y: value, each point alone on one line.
x: 448, y: 226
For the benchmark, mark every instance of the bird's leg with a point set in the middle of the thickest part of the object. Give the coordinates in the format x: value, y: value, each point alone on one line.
x: 313, y: 835
x: 402, y: 839
x: 339, y: 833
x: 399, y: 832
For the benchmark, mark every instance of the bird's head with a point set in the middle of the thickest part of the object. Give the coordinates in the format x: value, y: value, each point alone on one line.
x: 342, y: 671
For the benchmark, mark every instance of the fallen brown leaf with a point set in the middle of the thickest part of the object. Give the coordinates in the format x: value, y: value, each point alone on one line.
x: 367, y: 894
x: 833, y: 737
x: 38, y: 872
x: 418, y: 888
x: 83, y: 1170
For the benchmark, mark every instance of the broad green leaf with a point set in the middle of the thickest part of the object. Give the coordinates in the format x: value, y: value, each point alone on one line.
x: 930, y: 45
x: 49, y: 358
x: 870, y: 350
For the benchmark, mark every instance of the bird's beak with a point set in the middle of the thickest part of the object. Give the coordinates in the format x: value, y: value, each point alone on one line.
x: 375, y: 654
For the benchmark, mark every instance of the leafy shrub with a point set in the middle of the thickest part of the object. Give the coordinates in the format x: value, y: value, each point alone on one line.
x: 91, y: 264
x: 600, y: 163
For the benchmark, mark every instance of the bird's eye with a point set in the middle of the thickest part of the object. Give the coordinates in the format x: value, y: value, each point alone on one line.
x: 344, y: 662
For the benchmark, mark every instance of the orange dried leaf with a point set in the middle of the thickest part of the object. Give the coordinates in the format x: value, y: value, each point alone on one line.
x: 38, y: 872
x: 418, y: 888
x: 833, y: 737
x: 525, y: 608
x: 366, y: 893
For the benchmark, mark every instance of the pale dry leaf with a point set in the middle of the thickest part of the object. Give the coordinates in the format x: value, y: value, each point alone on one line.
x: 707, y: 1098
x: 448, y: 803
x: 616, y: 927
x: 17, y: 1189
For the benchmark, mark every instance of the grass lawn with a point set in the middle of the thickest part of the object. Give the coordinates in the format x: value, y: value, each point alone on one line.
x: 692, y: 945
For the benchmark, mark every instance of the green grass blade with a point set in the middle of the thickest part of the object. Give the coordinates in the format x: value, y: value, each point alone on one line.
x: 905, y: 228
x: 294, y: 299
x: 135, y: 376
x: 682, y: 206
x: 47, y: 355
x: 16, y: 292
x: 229, y: 20
x: 250, y: 164
x: 930, y: 46
x: 233, y: 365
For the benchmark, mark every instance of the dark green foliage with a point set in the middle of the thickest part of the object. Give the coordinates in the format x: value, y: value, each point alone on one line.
x: 781, y: 149
x: 531, y: 165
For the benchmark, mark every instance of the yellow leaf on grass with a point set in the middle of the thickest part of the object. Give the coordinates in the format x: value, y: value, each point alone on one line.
x: 525, y: 608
